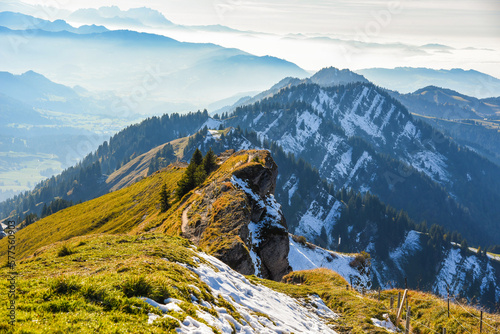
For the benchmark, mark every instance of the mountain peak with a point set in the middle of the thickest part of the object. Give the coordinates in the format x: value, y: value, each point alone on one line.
x: 331, y: 76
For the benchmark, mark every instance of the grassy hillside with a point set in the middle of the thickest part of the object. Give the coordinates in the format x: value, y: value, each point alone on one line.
x: 130, y: 210
x: 137, y: 168
x: 93, y: 284
x: 122, y: 211
x: 90, y: 284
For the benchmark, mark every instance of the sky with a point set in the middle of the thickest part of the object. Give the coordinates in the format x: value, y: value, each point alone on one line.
x: 342, y: 33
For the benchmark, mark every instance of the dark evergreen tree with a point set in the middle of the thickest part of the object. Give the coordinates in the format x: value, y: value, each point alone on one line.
x: 197, y: 157
x: 193, y: 176
x: 209, y: 161
x: 164, y: 199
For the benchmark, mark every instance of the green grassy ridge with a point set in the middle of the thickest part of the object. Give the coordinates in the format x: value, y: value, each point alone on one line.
x: 94, y: 289
x: 122, y: 211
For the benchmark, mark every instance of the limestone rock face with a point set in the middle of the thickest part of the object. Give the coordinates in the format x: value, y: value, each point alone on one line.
x: 235, y: 217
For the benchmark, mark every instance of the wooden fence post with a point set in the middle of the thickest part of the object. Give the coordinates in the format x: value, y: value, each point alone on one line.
x: 399, y: 299
x: 400, y: 309
x: 392, y: 302
x: 407, y: 297
x: 481, y: 323
x: 448, y: 307
x: 444, y: 330
x: 408, y: 315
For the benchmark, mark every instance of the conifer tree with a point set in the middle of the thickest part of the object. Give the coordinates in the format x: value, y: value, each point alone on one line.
x: 191, y: 178
x: 164, y: 199
x: 197, y: 158
x: 209, y: 161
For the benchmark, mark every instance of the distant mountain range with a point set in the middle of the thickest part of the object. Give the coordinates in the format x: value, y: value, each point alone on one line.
x: 446, y: 103
x: 408, y: 80
x: 164, y: 70
x: 18, y: 21
x: 112, y: 15
x: 35, y: 89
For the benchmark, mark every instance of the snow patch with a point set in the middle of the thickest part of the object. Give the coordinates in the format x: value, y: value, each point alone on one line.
x: 211, y: 123
x: 285, y: 314
x: 386, y: 324
x: 256, y: 119
x: 407, y: 248
x: 301, y: 257
x: 431, y: 163
x: 214, y: 133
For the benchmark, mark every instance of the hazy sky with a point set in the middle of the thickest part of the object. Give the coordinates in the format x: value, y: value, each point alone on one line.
x: 456, y: 20
x: 390, y: 31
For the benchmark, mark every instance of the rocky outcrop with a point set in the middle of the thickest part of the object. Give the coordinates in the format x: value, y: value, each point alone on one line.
x: 235, y: 217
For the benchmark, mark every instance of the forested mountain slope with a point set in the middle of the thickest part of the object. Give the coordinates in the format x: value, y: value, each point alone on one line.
x: 358, y: 136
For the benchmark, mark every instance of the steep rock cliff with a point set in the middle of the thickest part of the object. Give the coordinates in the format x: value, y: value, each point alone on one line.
x: 235, y: 217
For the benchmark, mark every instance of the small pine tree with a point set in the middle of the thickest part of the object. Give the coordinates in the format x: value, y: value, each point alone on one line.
x: 191, y: 178
x: 209, y: 161
x: 197, y: 158
x: 164, y: 199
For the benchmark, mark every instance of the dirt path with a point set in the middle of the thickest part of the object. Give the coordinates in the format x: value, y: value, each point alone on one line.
x: 185, y: 220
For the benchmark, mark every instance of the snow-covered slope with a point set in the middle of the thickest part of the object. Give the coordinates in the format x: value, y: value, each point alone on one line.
x: 283, y: 314
x: 308, y: 256
x: 358, y: 137
x: 466, y: 274
x: 328, y: 117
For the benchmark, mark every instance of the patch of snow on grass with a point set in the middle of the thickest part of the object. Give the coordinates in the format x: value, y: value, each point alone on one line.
x: 214, y: 133
x: 170, y: 304
x: 285, y: 313
x: 386, y: 324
